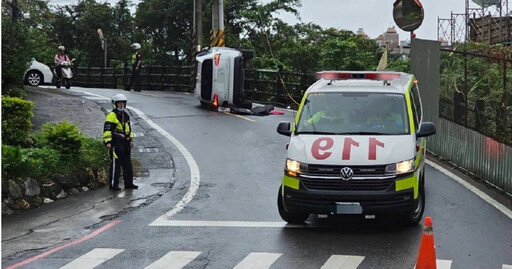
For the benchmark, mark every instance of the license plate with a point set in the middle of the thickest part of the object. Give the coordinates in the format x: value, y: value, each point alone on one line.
x: 347, y: 208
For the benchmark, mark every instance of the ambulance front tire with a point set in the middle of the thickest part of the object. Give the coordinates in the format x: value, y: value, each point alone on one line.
x: 413, y: 217
x: 292, y: 218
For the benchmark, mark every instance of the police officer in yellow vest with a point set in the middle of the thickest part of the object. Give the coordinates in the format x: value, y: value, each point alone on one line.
x: 136, y: 68
x: 118, y: 137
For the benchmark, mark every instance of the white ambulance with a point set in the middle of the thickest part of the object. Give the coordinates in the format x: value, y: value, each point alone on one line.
x: 357, y: 146
x: 220, y: 77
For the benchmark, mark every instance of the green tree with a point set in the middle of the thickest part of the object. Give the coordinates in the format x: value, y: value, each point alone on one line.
x: 348, y: 51
x: 166, y: 26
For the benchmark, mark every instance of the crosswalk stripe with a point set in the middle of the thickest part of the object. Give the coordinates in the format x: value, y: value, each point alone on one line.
x: 444, y: 264
x: 343, y: 262
x: 174, y: 260
x: 93, y: 258
x: 258, y: 260
x: 506, y: 266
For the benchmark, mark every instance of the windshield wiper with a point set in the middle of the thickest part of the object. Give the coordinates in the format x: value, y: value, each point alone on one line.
x: 316, y: 132
x: 361, y: 133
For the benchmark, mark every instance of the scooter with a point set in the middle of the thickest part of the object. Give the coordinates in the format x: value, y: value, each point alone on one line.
x: 67, y: 74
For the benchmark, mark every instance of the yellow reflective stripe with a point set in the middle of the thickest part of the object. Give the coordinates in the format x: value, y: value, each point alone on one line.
x: 107, y: 136
x: 409, y: 105
x: 300, y: 110
x: 114, y: 153
x: 112, y: 117
x: 291, y: 182
x: 407, y: 183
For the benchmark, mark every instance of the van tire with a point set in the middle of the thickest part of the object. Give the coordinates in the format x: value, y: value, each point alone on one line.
x: 292, y: 218
x: 413, y: 217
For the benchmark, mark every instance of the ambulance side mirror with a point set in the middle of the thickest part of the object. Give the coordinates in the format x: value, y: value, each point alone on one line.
x: 284, y: 128
x: 426, y: 129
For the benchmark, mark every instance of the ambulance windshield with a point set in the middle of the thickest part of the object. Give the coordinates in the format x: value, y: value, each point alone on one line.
x: 354, y: 113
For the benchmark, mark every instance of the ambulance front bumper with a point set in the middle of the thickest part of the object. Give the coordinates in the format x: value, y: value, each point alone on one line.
x: 327, y: 202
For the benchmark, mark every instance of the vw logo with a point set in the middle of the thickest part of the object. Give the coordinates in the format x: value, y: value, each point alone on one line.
x: 346, y: 173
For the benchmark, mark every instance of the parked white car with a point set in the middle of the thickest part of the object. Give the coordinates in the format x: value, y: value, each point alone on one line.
x: 38, y: 73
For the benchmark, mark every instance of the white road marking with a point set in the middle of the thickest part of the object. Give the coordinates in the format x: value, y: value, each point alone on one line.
x: 506, y: 266
x: 472, y: 188
x: 97, y: 98
x: 343, y: 262
x: 194, y: 169
x: 444, y: 264
x: 236, y: 224
x: 258, y: 260
x: 93, y: 258
x: 174, y: 260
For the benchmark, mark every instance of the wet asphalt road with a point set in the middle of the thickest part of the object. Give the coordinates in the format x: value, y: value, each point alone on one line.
x: 241, y: 164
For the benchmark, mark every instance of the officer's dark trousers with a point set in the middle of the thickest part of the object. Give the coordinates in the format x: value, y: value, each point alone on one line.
x: 134, y: 80
x: 123, y: 160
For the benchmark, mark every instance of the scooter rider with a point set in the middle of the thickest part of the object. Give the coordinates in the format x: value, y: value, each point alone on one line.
x: 58, y: 59
x: 118, y: 137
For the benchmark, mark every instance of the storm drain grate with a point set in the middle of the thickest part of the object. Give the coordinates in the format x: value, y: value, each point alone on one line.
x: 69, y: 102
x: 149, y: 150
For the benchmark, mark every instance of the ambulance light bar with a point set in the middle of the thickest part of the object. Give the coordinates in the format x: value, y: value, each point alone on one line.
x: 337, y: 75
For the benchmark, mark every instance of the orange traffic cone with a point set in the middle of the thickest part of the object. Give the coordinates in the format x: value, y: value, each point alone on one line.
x: 427, y: 253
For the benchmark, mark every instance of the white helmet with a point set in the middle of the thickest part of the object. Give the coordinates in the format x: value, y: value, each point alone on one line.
x: 118, y: 97
x: 135, y: 46
x: 62, y: 48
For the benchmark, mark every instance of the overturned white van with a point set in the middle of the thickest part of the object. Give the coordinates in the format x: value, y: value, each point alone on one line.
x: 220, y: 77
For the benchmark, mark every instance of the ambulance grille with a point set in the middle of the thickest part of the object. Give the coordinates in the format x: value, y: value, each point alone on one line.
x: 366, y: 178
x: 359, y: 171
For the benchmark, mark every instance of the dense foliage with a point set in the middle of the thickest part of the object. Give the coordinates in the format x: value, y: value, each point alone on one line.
x: 482, y: 83
x: 59, y: 148
x: 164, y: 29
x: 16, y: 120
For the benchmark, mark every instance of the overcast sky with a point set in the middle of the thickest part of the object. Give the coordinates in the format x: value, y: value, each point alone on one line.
x: 374, y: 16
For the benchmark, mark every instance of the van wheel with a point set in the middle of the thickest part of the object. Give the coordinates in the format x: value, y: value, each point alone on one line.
x: 293, y: 218
x: 414, y: 216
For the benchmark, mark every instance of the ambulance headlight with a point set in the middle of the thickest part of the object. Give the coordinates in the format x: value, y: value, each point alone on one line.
x: 401, y: 167
x: 293, y: 168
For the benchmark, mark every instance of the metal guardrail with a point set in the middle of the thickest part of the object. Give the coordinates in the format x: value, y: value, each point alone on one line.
x: 263, y: 86
x: 479, y: 154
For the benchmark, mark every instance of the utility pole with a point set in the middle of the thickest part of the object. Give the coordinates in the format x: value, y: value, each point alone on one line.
x: 197, y: 35
x: 198, y: 25
x: 217, y: 33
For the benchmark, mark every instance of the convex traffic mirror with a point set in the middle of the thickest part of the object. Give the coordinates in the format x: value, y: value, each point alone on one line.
x: 408, y: 14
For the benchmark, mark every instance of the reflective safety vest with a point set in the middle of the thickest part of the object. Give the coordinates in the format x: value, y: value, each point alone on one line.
x: 113, y: 131
x: 136, y: 57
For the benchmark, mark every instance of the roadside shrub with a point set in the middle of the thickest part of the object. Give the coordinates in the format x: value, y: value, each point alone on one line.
x: 16, y: 120
x: 11, y: 161
x: 93, y: 153
x: 64, y: 137
x: 41, y: 163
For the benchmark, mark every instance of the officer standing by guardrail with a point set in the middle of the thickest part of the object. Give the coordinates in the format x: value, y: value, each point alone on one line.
x: 136, y: 61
